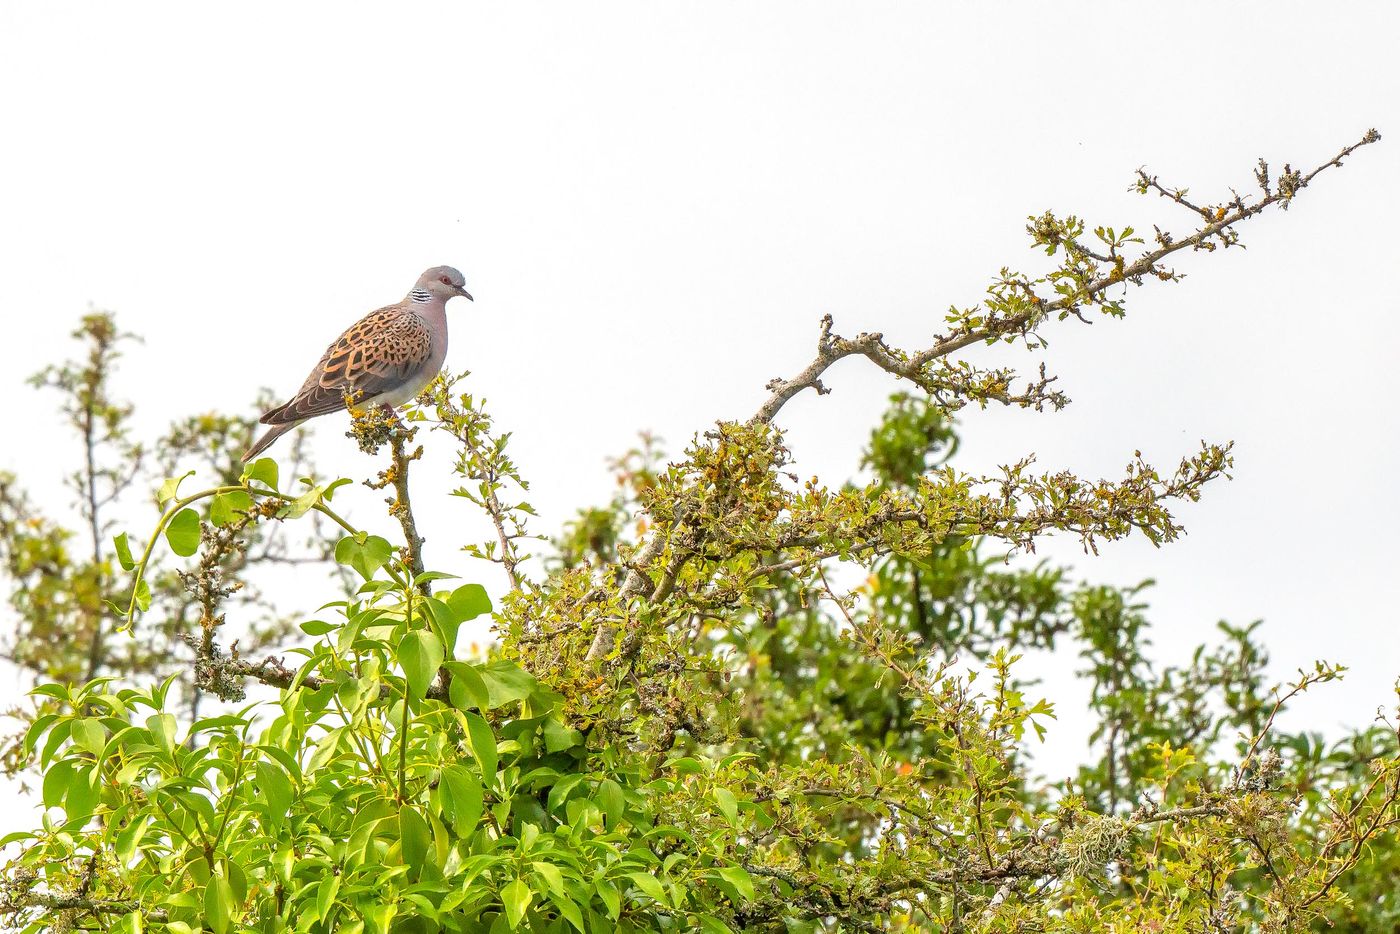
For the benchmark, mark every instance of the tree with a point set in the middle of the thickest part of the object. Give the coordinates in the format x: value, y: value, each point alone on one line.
x: 690, y: 722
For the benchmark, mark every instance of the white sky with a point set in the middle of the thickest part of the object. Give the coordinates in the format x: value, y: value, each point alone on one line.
x: 654, y: 204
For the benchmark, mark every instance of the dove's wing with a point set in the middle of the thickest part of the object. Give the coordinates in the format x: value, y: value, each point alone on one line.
x: 383, y: 351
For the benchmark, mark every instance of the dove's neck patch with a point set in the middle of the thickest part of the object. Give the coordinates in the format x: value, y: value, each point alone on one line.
x: 420, y: 296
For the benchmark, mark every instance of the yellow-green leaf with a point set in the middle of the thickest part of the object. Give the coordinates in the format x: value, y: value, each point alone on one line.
x: 469, y: 601
x: 414, y: 837
x: 483, y: 743
x: 366, y: 556
x: 420, y: 656
x: 461, y: 798
x: 516, y: 897
x: 218, y: 905
x: 170, y: 488
x: 610, y: 801
x: 123, y: 546
x: 728, y: 804
x: 89, y: 735
x: 226, y: 507
x: 183, y: 532
x: 263, y: 470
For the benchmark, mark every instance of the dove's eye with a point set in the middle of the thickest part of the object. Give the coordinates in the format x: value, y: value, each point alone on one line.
x: 445, y: 281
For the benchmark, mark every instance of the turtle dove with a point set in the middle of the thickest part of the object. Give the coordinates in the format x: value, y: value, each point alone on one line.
x: 386, y: 358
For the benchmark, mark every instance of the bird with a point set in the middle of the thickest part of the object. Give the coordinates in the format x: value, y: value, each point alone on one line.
x: 386, y: 358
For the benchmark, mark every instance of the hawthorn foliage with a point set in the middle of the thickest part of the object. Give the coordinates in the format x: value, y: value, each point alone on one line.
x: 690, y: 718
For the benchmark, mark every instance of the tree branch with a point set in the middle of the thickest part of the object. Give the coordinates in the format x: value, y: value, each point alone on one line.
x: 831, y: 348
x: 1014, y: 309
x: 93, y: 906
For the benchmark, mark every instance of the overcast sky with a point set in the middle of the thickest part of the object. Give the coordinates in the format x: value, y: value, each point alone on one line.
x: 654, y: 203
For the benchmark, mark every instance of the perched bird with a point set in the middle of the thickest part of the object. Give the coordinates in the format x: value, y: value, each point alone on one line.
x: 385, y: 358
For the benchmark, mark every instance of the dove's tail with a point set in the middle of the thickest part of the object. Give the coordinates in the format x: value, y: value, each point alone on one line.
x: 265, y: 442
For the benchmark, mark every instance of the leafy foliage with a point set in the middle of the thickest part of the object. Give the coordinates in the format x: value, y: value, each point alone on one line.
x: 734, y: 699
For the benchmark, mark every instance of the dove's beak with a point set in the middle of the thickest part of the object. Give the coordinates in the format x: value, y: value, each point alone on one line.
x: 465, y: 294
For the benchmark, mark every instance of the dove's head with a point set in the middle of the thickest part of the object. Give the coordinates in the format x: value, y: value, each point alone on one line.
x: 444, y: 282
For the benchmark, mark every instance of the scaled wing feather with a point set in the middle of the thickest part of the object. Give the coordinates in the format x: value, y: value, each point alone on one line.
x: 377, y: 354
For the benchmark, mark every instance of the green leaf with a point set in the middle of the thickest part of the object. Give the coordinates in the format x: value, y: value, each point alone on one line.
x: 414, y: 838
x: 36, y: 730
x: 610, y: 801
x: 559, y: 736
x: 325, y: 750
x: 226, y: 508
x: 469, y: 601
x: 56, y: 781
x: 467, y: 689
x: 559, y: 792
x: 130, y: 838
x: 420, y: 656
x: 551, y: 875
x: 317, y: 627
x: 610, y: 896
x: 237, y: 882
x: 277, y: 789
x: 162, y: 727
x: 728, y: 804
x: 483, y: 743
x: 443, y: 622
x: 57, y: 736
x: 218, y: 904
x: 89, y: 735
x: 462, y: 798
x: 263, y: 470
x: 124, y: 557
x: 170, y: 488
x: 712, y: 925
x: 651, y: 887
x: 331, y: 487
x: 516, y: 897
x: 183, y: 532
x: 740, y: 880
x: 305, y: 502
x: 84, y: 791
x: 506, y: 682
x: 365, y: 557
x: 685, y: 766
x: 325, y: 896
x: 569, y: 910
x: 206, y: 724
x: 142, y: 595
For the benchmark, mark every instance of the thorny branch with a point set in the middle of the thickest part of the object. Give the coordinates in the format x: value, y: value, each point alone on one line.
x: 1014, y: 309
x: 1219, y: 228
